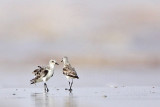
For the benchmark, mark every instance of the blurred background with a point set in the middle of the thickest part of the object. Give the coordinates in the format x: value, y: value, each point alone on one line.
x: 110, y: 41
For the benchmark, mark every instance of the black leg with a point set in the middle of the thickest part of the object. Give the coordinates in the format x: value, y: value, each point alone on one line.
x: 69, y: 83
x: 71, y: 86
x: 46, y: 88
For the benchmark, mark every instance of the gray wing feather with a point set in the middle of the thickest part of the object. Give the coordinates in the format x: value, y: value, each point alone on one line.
x: 69, y: 71
x: 39, y: 73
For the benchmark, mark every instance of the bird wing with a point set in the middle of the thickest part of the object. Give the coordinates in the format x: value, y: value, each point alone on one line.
x: 69, y: 71
x: 41, y: 72
x: 44, y: 73
x: 35, y: 71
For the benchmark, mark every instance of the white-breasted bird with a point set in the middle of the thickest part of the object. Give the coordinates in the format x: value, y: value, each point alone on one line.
x: 69, y: 72
x: 43, y: 74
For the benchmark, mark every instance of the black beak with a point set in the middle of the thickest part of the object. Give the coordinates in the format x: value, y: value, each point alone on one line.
x: 56, y: 63
x: 62, y: 61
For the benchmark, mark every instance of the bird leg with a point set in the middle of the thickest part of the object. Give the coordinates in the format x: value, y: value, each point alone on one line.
x: 69, y: 86
x: 70, y: 89
x: 46, y: 88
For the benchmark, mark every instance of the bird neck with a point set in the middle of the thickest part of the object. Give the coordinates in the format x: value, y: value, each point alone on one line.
x: 66, y: 63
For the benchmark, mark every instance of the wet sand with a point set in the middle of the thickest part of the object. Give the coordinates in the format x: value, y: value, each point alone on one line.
x: 81, y: 97
x: 98, y: 87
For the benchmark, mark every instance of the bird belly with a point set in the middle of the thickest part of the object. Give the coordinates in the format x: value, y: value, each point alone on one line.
x: 48, y: 76
x: 69, y: 78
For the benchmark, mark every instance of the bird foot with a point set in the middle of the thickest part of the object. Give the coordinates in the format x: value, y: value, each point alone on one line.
x: 46, y: 90
x: 66, y: 88
x: 70, y: 90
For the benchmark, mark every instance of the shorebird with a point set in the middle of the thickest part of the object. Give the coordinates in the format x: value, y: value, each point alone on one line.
x: 43, y: 74
x: 69, y: 72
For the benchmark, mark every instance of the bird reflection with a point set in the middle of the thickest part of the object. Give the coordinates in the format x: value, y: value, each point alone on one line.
x: 42, y: 100
x: 70, y: 101
x: 50, y: 100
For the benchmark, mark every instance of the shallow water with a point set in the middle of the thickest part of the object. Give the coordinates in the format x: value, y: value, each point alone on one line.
x: 98, y: 87
x: 95, y: 97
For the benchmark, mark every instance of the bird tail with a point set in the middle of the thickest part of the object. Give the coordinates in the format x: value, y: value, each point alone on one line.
x: 33, y: 81
x: 77, y: 77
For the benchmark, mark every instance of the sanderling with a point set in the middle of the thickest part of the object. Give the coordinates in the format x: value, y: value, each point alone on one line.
x: 69, y: 72
x: 43, y: 74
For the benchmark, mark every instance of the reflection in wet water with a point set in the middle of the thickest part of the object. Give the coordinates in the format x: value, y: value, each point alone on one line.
x: 42, y: 100
x: 70, y: 101
x: 82, y: 97
x: 66, y: 99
